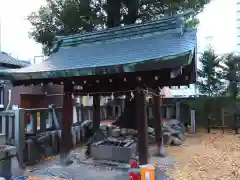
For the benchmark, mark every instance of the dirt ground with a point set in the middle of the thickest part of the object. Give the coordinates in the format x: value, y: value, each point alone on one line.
x: 203, y: 156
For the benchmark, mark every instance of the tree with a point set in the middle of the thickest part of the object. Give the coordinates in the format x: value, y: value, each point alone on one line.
x: 210, y: 76
x: 66, y: 17
x: 231, y: 72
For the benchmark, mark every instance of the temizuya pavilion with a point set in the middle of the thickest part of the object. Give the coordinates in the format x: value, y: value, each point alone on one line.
x: 117, y: 60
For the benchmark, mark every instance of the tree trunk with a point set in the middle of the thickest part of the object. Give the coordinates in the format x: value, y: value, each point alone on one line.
x: 132, y: 15
x: 113, y: 13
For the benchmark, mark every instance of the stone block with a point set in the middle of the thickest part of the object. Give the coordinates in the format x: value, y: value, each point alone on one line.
x: 116, y: 133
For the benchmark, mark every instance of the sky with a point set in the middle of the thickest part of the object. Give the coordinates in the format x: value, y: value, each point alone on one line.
x: 15, y: 28
x: 217, y: 20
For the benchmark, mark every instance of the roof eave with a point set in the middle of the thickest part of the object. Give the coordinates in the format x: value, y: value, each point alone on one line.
x: 147, y: 65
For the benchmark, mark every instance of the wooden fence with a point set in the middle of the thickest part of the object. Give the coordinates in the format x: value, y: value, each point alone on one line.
x: 16, y: 123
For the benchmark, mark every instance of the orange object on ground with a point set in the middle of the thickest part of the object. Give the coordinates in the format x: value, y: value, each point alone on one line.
x: 147, y: 172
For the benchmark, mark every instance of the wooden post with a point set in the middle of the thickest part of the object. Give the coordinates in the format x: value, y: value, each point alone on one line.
x: 142, y: 127
x: 193, y: 121
x: 158, y: 124
x: 10, y: 130
x: 82, y: 113
x: 49, y: 123
x: 178, y: 111
x: 33, y: 116
x: 4, y: 124
x: 43, y: 118
x: 96, y: 112
x: 223, y: 120
x: 75, y: 119
x: 66, y: 122
x: 19, y: 134
x: 209, y: 124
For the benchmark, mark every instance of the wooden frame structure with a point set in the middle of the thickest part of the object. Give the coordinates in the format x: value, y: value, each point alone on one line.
x: 132, y: 59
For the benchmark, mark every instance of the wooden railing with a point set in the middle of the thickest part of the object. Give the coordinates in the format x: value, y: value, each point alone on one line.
x: 13, y: 126
x: 82, y: 113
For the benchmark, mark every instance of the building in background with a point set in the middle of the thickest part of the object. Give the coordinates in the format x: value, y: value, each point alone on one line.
x: 25, y: 97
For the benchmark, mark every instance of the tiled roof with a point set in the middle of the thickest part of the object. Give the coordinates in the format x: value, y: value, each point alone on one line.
x: 6, y: 59
x: 79, y: 54
x: 173, y: 25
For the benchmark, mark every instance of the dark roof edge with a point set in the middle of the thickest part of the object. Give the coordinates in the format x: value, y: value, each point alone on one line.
x: 129, y: 67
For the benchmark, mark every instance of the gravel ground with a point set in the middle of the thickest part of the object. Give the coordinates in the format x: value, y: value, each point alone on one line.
x: 214, y: 156
x: 80, y: 171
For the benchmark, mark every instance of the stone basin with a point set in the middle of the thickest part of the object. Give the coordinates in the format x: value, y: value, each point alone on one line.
x: 114, y: 150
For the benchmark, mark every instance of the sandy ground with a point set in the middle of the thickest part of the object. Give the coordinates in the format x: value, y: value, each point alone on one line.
x: 203, y: 156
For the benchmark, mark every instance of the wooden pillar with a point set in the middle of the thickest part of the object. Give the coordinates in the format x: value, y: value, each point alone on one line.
x: 158, y: 124
x: 96, y: 112
x: 142, y: 127
x: 66, y: 122
x: 178, y: 111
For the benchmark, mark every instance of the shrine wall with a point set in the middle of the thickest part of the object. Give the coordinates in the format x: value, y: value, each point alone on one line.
x: 33, y: 96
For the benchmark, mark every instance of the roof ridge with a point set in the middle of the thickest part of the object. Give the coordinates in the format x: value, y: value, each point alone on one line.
x: 172, y: 24
x: 120, y: 28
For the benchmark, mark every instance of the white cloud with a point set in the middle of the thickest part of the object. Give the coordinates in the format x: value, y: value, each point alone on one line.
x: 15, y: 27
x: 219, y: 21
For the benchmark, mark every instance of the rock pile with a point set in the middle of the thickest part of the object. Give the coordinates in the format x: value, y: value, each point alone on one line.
x: 173, y: 132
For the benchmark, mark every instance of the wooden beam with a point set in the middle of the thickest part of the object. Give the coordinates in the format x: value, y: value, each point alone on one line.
x: 106, y: 82
x: 66, y: 122
x: 96, y: 112
x: 142, y: 127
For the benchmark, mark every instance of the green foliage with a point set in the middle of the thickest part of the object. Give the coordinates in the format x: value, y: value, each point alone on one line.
x: 66, y: 17
x: 210, y: 81
x: 231, y: 72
